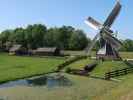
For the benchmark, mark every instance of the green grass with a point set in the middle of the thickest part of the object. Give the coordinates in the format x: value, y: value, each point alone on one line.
x: 15, y: 67
x: 120, y: 89
x: 123, y: 90
x: 101, y: 68
x: 104, y: 67
x: 84, y: 88
x: 127, y: 55
x: 80, y: 64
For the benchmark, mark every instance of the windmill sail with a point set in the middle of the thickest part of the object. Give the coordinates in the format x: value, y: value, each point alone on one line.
x: 93, y: 23
x: 90, y: 47
x: 109, y: 45
x: 115, y: 43
x: 111, y: 18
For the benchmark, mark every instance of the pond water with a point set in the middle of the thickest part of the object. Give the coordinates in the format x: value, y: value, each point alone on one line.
x: 50, y: 81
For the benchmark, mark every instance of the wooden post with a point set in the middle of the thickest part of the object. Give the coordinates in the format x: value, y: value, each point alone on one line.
x: 107, y: 76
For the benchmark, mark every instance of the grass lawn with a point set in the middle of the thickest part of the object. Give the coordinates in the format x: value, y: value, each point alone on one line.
x: 15, y: 67
x: 80, y: 64
x: 101, y: 68
x: 128, y: 55
x: 107, y: 66
x: 83, y: 88
x: 123, y: 90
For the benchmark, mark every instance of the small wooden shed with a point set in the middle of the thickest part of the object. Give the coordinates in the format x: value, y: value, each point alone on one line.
x: 45, y: 51
x: 17, y: 50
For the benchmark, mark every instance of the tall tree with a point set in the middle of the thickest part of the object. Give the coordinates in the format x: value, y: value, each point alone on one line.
x: 18, y: 36
x: 5, y: 36
x: 51, y: 37
x: 78, y: 40
x: 35, y: 35
x: 128, y: 45
x: 64, y: 35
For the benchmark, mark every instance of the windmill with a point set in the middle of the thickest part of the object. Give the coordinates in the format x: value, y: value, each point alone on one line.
x: 109, y: 45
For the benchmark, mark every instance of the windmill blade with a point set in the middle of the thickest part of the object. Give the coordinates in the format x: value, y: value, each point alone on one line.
x: 113, y: 15
x: 112, y: 40
x: 90, y: 46
x: 93, y: 23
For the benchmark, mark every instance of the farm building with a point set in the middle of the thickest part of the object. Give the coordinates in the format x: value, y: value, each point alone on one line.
x: 17, y: 50
x: 54, y: 51
x: 6, y: 46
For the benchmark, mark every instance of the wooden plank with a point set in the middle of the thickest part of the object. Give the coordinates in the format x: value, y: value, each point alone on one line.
x: 120, y: 72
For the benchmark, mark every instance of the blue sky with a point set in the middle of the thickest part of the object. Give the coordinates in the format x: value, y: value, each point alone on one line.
x: 17, y: 13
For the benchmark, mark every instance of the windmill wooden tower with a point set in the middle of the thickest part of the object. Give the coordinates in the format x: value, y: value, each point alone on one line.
x: 109, y: 45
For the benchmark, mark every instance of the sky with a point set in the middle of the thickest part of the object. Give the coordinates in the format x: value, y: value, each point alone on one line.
x: 20, y: 13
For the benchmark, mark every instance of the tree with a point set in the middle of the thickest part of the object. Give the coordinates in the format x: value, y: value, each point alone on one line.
x: 78, y: 40
x: 128, y: 45
x: 51, y: 37
x: 5, y: 36
x: 18, y: 36
x: 64, y: 35
x: 35, y: 35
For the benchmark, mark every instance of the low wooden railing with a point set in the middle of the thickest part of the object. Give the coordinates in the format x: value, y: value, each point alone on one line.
x: 117, y: 73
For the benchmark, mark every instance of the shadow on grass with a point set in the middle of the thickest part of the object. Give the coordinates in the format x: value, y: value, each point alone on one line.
x: 96, y: 77
x: 102, y: 78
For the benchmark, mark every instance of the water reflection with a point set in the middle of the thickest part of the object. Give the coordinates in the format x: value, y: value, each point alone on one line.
x: 37, y: 81
x: 50, y: 81
x: 58, y: 81
x: 13, y: 83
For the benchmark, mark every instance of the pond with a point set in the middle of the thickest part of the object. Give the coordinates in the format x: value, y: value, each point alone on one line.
x: 50, y: 81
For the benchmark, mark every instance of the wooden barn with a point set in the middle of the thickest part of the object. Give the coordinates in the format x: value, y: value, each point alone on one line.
x: 17, y: 50
x: 54, y: 51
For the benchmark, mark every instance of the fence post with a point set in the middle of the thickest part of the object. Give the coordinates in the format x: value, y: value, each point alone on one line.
x: 117, y: 73
x: 120, y: 72
x: 107, y: 76
x: 125, y: 70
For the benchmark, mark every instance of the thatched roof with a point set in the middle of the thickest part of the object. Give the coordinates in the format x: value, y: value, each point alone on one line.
x: 45, y: 49
x: 15, y: 48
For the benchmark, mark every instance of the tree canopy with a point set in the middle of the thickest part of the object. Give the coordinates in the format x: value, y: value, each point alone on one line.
x: 38, y: 35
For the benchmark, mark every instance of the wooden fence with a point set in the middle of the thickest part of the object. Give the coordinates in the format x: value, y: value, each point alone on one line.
x: 117, y: 73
